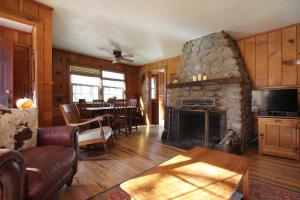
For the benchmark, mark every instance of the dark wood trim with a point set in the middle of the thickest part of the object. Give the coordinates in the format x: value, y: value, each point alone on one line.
x: 229, y: 80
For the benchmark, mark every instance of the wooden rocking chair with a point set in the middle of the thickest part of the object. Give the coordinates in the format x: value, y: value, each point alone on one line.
x: 87, y: 135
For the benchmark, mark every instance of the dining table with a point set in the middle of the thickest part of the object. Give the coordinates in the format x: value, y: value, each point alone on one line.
x: 96, y: 111
x: 106, y: 109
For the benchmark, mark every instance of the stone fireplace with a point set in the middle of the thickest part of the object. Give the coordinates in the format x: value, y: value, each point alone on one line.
x: 228, y: 84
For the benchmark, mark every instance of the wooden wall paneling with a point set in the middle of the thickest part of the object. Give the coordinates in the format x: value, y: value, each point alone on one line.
x: 61, y: 91
x: 241, y: 45
x: 39, y: 66
x: 274, y: 59
x: 30, y: 9
x: 289, y: 68
x: 261, y: 60
x: 46, y: 16
x: 298, y: 52
x: 132, y: 82
x: 250, y: 57
x: 12, y: 5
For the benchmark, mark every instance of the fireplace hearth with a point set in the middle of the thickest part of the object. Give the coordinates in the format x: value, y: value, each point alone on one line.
x: 197, y: 128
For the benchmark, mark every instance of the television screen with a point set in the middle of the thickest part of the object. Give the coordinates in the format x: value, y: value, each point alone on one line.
x: 275, y: 100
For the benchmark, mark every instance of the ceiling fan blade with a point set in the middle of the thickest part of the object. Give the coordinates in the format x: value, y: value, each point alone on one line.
x: 115, y: 45
x: 106, y: 50
x: 128, y: 55
x: 127, y: 60
x: 108, y: 57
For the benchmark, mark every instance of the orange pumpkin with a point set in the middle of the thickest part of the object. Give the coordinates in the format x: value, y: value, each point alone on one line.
x: 24, y: 103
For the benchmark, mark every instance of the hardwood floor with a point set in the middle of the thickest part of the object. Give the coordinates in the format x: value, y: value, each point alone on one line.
x: 129, y: 157
x: 142, y: 150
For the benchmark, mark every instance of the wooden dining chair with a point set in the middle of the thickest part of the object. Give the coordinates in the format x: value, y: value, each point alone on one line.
x: 87, y: 135
x: 98, y: 103
x: 84, y: 113
x: 134, y: 113
x: 121, y: 117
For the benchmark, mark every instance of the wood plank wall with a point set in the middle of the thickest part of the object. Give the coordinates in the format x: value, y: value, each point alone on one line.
x: 271, y: 57
x: 17, y: 37
x: 61, y: 74
x: 170, y: 65
x: 41, y: 16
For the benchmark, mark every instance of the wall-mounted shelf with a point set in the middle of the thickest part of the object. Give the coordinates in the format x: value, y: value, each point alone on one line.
x: 228, y: 80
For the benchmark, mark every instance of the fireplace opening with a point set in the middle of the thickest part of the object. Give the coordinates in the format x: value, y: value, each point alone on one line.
x: 194, y: 130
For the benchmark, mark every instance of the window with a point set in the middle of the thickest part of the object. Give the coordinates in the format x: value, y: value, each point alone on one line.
x: 85, y: 83
x: 113, y: 85
x: 153, y: 87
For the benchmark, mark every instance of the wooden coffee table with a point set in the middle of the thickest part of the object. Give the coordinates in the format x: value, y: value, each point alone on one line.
x: 197, y: 174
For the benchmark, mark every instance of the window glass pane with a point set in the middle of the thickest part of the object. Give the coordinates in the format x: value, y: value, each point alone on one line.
x: 110, y: 83
x: 113, y: 75
x: 85, y: 92
x: 85, y: 80
x: 113, y: 92
x: 153, y: 88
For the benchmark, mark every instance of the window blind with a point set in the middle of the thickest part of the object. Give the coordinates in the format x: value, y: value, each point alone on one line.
x: 85, y: 71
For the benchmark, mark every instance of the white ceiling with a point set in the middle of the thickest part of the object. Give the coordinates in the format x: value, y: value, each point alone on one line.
x: 156, y: 29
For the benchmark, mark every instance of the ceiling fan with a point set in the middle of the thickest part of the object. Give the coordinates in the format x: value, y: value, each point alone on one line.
x: 118, y: 57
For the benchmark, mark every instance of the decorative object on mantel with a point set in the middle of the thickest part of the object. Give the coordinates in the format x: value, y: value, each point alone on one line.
x: 18, y: 128
x: 199, y: 77
x: 174, y: 78
x: 204, y: 78
x: 194, y: 78
x: 228, y: 80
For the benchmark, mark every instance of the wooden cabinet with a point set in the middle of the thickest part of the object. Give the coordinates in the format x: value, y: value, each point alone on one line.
x: 279, y: 137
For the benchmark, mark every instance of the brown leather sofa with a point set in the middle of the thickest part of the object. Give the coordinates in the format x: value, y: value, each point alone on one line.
x: 39, y: 172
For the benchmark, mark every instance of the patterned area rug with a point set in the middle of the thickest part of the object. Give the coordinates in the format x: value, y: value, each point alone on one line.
x: 259, y: 190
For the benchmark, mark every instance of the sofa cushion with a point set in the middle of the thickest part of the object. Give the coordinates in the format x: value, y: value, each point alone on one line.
x: 45, y: 167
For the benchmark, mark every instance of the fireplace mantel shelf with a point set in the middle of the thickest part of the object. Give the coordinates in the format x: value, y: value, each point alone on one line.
x: 228, y: 80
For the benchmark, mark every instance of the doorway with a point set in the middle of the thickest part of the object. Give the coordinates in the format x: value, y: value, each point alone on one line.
x: 157, y: 96
x: 23, y: 72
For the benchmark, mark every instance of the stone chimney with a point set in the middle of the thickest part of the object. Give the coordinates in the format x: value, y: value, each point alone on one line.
x: 218, y: 57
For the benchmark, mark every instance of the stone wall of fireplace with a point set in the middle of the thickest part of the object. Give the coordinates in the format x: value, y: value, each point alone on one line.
x: 216, y: 56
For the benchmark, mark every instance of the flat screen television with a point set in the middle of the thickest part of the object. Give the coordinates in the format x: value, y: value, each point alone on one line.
x: 284, y: 101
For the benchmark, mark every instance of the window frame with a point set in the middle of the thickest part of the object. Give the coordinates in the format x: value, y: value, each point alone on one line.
x: 71, y: 84
x: 111, y: 79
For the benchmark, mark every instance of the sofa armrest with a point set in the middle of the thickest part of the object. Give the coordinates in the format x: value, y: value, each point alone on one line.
x: 59, y: 135
x: 12, y: 175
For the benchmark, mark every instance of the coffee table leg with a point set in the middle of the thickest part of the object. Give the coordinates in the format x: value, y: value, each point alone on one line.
x: 246, y: 185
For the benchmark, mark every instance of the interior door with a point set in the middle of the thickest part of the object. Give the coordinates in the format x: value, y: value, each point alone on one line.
x: 6, y: 72
x: 161, y: 97
x: 154, y: 99
x: 22, y: 72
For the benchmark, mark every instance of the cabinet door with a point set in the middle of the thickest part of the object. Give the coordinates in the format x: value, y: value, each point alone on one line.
x: 279, y: 139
